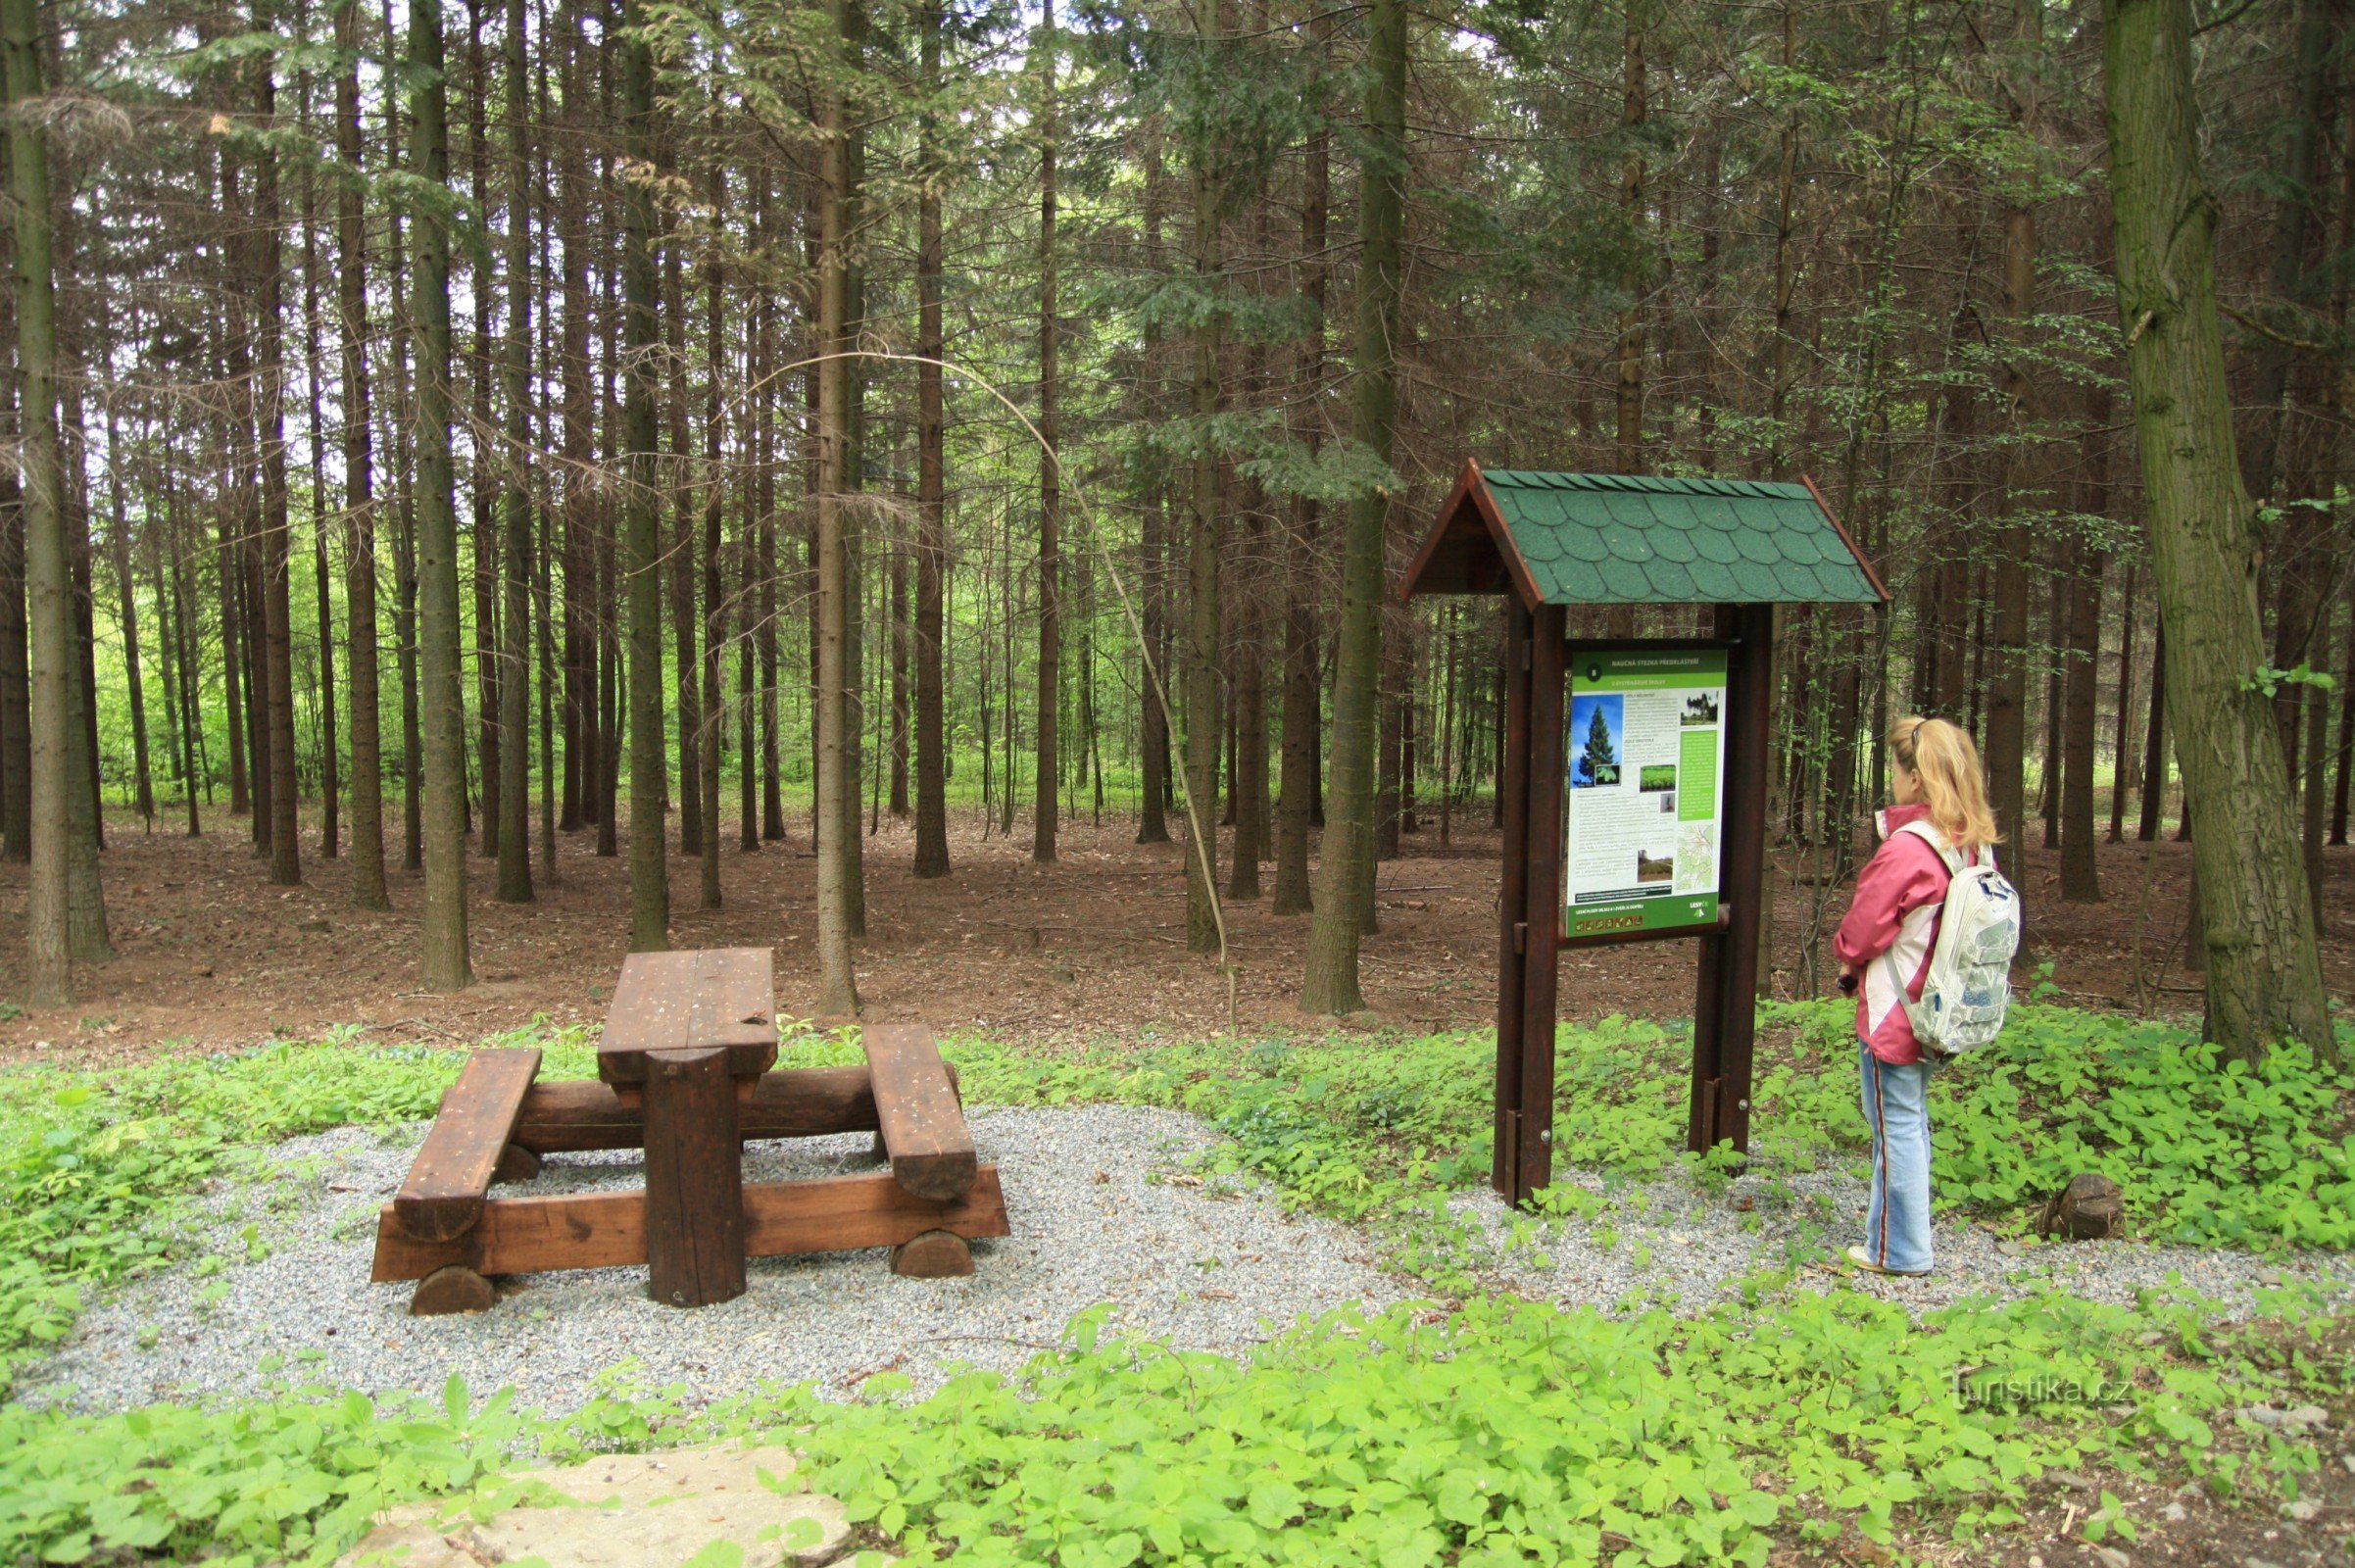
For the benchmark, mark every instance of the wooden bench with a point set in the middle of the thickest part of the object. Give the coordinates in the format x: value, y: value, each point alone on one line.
x: 687, y: 1072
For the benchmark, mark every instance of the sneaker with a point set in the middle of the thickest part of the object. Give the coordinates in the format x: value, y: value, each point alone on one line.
x: 1864, y: 1260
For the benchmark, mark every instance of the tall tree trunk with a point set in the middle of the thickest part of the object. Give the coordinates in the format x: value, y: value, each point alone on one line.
x: 2155, y: 740
x: 1201, y: 546
x: 1159, y: 685
x: 1329, y: 978
x: 838, y: 995
x: 515, y: 577
x: 444, y: 964
x: 641, y: 546
x: 2081, y: 872
x: 270, y: 387
x: 330, y: 824
x: 1048, y: 797
x: 932, y: 474
x: 2264, y: 971
x: 127, y: 586
x: 1302, y: 691
x: 358, y: 479
x: 1633, y: 113
x: 2007, y: 691
x: 48, y: 571
x: 2122, y: 756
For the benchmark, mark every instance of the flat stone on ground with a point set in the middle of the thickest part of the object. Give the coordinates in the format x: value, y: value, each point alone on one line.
x: 631, y: 1510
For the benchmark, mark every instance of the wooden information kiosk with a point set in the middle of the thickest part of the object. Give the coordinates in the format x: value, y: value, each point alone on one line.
x: 1642, y: 815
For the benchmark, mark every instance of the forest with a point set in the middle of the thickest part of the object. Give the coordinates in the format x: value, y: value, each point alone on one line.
x: 686, y: 429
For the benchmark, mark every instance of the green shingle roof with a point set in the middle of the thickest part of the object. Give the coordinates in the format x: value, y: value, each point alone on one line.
x: 1621, y: 539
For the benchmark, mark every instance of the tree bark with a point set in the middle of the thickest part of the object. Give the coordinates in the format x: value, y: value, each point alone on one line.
x: 932, y: 474
x: 445, y: 965
x: 2264, y: 971
x: 1329, y: 978
x: 641, y: 546
x: 1047, y: 801
x: 359, y: 478
x: 838, y: 995
x: 516, y: 579
x: 48, y: 573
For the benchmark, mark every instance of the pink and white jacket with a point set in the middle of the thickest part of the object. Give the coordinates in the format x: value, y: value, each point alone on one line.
x: 1900, y: 894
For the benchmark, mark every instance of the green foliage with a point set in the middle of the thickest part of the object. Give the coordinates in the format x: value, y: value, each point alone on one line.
x: 1503, y: 1431
x: 1499, y: 1431
x: 95, y: 1172
x: 1513, y: 1432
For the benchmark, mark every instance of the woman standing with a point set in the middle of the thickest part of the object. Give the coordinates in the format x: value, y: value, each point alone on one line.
x: 1884, y: 945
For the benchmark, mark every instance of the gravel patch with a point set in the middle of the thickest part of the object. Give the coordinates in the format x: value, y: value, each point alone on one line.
x: 1670, y: 1242
x: 1095, y: 1221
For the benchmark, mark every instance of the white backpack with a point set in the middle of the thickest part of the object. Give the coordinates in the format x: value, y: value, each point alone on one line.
x: 1970, y: 980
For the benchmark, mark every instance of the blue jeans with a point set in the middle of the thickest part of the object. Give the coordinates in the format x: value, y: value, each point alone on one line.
x: 1896, y: 1107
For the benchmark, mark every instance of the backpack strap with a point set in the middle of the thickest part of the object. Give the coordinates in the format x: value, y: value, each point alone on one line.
x: 1927, y: 831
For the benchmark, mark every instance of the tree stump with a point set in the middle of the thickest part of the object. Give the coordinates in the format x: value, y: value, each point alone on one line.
x: 2089, y: 1208
x: 452, y: 1288
x: 933, y: 1255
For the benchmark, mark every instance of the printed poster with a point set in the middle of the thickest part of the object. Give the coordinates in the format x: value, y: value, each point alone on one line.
x: 1646, y: 755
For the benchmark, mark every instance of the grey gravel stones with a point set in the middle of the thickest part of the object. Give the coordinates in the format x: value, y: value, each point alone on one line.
x: 1669, y: 1242
x: 1094, y: 1220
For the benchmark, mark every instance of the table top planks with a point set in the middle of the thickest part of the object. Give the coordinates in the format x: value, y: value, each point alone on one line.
x: 443, y: 1196
x: 710, y: 996
x: 916, y: 1111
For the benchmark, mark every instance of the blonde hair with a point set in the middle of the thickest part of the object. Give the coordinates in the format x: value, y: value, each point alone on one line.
x: 1942, y: 754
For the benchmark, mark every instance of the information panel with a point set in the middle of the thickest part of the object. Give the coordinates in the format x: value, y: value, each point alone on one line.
x: 1647, y: 753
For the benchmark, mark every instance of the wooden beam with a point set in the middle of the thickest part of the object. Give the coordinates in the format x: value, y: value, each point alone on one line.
x: 924, y: 1132
x: 694, y: 1179
x: 608, y: 1230
x: 574, y: 1114
x: 1513, y: 896
x: 1726, y: 1003
x: 723, y: 997
x: 452, y: 1177
x: 1548, y: 779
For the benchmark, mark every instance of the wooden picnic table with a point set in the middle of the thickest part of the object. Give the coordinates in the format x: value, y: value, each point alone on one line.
x: 686, y: 1071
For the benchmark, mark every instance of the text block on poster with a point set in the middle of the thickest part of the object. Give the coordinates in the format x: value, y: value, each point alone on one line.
x: 1646, y: 755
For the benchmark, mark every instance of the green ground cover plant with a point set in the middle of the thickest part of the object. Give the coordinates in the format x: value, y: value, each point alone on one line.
x: 1478, y: 1431
x: 1503, y: 1432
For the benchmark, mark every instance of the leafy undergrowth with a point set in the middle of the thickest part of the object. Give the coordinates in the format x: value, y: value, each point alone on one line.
x: 1503, y: 1432
x: 95, y: 1174
x: 1499, y: 1432
x: 2209, y: 1151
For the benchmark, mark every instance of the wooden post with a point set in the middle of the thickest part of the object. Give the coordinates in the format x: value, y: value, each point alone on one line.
x: 1725, y: 1009
x: 1513, y: 796
x: 1542, y: 900
x: 694, y: 1179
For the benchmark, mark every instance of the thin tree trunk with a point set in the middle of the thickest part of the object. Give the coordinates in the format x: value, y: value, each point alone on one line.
x: 516, y: 579
x: 1047, y: 796
x: 359, y: 478
x: 932, y: 541
x: 838, y: 985
x: 1202, y: 557
x: 641, y: 546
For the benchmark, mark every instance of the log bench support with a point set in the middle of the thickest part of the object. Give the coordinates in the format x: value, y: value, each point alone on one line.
x: 687, y: 1063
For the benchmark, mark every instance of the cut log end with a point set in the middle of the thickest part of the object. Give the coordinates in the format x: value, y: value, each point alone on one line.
x: 933, y: 1255
x: 452, y: 1288
x: 516, y: 1165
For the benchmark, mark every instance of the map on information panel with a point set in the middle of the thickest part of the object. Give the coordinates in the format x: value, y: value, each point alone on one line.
x: 1646, y: 753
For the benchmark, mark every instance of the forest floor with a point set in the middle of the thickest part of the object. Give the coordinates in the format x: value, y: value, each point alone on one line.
x: 1090, y: 948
